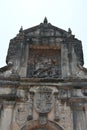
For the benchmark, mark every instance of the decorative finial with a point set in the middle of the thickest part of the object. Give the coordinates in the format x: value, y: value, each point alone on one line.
x: 69, y: 31
x: 21, y: 29
x: 45, y: 20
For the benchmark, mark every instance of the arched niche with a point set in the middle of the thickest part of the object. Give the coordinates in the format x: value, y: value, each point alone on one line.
x: 35, y: 125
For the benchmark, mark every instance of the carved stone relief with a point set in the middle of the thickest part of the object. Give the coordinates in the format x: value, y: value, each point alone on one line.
x: 23, y: 113
x: 43, y: 103
x: 43, y: 100
x: 44, y: 63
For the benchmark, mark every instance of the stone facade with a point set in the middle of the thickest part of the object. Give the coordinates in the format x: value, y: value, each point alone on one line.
x: 44, y: 85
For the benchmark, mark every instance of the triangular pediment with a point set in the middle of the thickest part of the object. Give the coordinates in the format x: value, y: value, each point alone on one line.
x: 45, y: 29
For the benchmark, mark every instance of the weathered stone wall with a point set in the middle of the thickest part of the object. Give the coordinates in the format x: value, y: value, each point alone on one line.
x: 44, y: 85
x: 67, y: 107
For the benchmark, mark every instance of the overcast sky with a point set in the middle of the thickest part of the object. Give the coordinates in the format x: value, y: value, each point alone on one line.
x: 27, y: 13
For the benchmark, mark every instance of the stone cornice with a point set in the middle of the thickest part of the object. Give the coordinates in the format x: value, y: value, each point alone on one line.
x: 60, y: 83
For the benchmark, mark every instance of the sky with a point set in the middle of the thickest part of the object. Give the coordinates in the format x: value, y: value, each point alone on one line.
x: 27, y: 13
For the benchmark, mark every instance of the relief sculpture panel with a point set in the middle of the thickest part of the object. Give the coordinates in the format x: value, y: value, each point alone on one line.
x: 44, y: 63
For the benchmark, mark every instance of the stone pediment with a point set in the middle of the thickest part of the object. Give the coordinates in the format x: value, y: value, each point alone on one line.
x: 46, y: 33
x: 43, y: 30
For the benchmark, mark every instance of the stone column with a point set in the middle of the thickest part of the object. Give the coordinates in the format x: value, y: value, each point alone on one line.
x: 79, y: 117
x: 24, y: 60
x: 6, y: 117
x: 65, y: 60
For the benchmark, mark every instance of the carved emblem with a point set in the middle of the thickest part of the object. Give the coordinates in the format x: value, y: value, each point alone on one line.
x: 43, y: 100
x: 43, y: 103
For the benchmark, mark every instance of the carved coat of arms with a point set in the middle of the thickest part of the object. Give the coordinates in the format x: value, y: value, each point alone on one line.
x: 43, y: 100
